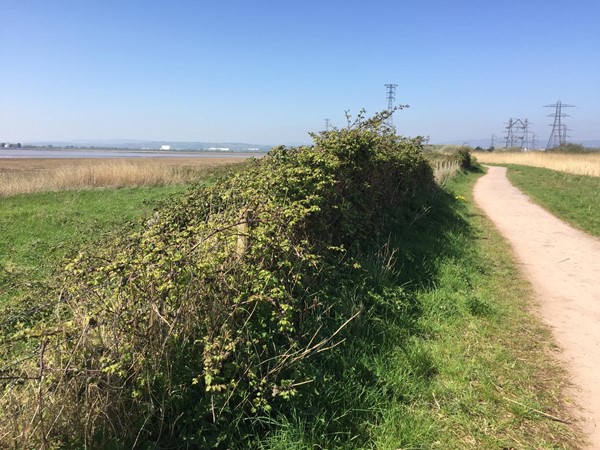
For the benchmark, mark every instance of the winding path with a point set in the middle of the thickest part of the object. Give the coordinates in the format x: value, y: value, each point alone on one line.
x: 563, y: 265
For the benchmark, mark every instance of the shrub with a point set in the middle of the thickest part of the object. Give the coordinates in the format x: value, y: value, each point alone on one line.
x: 569, y: 148
x: 191, y: 329
x: 463, y: 156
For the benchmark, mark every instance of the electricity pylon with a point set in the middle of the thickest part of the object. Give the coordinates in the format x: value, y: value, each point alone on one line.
x: 558, y: 136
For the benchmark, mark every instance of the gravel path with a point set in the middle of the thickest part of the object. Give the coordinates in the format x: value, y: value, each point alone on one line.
x: 563, y: 264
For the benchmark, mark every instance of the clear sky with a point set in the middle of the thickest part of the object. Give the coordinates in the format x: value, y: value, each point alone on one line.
x: 268, y: 72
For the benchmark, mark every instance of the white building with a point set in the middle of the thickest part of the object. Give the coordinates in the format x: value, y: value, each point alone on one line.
x: 165, y: 147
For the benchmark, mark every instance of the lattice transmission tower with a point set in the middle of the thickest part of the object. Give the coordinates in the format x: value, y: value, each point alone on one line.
x: 391, y: 97
x: 558, y: 136
x: 517, y: 133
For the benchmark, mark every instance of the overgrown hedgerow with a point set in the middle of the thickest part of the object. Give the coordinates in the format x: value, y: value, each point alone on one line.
x: 194, y: 328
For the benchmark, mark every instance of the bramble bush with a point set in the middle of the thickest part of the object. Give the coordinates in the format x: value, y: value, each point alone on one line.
x: 463, y: 157
x: 194, y: 327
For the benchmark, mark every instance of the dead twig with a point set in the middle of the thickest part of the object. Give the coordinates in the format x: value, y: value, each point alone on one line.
x: 537, y: 411
x: 40, y: 407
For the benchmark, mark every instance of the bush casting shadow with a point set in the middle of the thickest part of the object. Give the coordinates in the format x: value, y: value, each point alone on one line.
x: 245, y: 307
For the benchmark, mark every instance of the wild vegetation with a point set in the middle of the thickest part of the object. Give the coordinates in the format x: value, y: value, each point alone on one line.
x: 201, y: 319
x: 447, y: 164
x: 329, y: 296
x: 38, y: 231
x: 576, y: 163
x: 573, y: 198
x: 570, y: 147
x: 21, y: 176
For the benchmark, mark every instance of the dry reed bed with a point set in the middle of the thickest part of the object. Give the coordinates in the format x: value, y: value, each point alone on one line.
x: 22, y: 176
x: 576, y: 163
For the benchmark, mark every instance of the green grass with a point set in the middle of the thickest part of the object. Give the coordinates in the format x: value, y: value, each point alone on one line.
x: 446, y: 353
x: 486, y: 348
x: 455, y: 360
x: 477, y: 350
x: 37, y: 231
x: 573, y: 198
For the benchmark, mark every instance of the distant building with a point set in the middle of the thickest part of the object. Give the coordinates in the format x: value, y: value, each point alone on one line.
x: 219, y: 149
x: 165, y: 147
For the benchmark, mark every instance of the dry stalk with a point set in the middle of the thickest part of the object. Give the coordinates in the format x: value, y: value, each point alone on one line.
x: 537, y: 411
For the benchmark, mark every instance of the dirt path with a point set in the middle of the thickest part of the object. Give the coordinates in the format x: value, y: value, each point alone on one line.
x: 563, y: 265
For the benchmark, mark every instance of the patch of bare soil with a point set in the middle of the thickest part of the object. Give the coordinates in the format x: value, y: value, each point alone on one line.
x: 563, y: 265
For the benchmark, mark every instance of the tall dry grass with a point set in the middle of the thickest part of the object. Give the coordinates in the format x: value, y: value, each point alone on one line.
x: 576, y: 163
x: 27, y: 176
x: 445, y: 170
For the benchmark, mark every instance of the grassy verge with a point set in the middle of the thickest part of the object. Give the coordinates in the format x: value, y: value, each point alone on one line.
x: 456, y: 361
x: 573, y: 198
x: 489, y: 355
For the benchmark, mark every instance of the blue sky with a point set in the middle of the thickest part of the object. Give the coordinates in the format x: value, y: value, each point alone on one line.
x: 268, y: 72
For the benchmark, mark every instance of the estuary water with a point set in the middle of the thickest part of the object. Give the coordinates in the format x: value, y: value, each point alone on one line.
x: 101, y: 153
